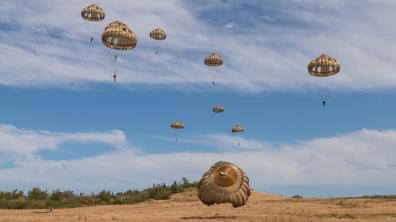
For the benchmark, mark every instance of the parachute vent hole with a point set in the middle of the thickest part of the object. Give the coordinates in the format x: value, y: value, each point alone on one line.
x: 115, y: 40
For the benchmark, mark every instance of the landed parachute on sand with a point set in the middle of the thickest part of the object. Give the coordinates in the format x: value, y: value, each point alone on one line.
x: 224, y: 182
x: 324, y: 66
x: 93, y: 13
x: 117, y: 35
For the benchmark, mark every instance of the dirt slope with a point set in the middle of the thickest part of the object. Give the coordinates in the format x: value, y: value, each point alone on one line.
x: 186, y: 207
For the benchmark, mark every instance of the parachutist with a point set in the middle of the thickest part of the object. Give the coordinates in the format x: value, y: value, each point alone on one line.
x: 158, y: 34
x: 213, y: 83
x: 115, y: 57
x: 115, y: 77
x: 93, y: 13
x: 324, y: 103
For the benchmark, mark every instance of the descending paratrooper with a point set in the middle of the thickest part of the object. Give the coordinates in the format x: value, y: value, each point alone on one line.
x: 324, y: 66
x: 117, y: 35
x: 213, y: 59
x: 159, y: 35
x: 93, y: 13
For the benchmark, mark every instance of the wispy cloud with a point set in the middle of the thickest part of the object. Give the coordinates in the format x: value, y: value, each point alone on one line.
x: 359, y: 160
x: 25, y: 143
x: 45, y: 44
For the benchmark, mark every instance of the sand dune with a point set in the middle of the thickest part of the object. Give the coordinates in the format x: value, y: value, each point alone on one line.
x: 186, y: 207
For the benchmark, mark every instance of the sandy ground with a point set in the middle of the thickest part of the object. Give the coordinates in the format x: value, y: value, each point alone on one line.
x: 186, y: 207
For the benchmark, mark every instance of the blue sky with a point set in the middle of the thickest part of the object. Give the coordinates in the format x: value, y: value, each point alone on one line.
x: 65, y: 124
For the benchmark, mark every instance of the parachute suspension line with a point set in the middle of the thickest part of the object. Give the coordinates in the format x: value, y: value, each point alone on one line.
x: 115, y: 68
x: 92, y: 37
x: 177, y: 135
x: 156, y: 49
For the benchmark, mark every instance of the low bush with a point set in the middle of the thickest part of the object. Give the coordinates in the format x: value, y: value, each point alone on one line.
x: 41, y: 199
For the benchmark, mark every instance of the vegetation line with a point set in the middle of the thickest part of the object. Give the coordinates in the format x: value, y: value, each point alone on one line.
x: 37, y: 198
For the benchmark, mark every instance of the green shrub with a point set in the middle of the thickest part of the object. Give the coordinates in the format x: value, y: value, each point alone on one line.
x: 37, y: 194
x: 37, y: 198
x: 297, y: 196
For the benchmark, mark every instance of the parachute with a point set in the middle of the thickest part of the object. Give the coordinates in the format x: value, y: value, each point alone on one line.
x: 117, y: 35
x: 158, y: 34
x: 323, y: 66
x: 93, y: 13
x: 237, y: 129
x: 218, y: 108
x: 177, y: 125
x: 213, y: 59
x: 224, y: 182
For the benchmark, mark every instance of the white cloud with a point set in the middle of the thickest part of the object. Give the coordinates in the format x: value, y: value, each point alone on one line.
x: 265, y: 55
x: 358, y: 160
x: 25, y: 143
x: 229, y: 25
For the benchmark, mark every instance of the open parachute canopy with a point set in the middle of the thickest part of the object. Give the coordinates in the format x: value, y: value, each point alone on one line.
x: 237, y: 129
x: 224, y: 182
x: 158, y: 34
x: 117, y: 35
x: 93, y: 13
x: 324, y: 66
x: 218, y: 108
x: 177, y: 125
x: 213, y: 59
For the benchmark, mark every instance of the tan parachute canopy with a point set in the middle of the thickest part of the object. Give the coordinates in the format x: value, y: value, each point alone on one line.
x: 324, y: 66
x: 177, y: 125
x: 224, y: 182
x: 218, y: 108
x: 238, y: 129
x: 117, y: 35
x: 213, y: 59
x: 158, y: 34
x: 93, y: 13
